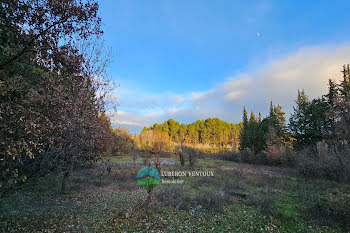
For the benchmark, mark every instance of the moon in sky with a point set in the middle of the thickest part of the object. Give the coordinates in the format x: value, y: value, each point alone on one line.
x: 258, y: 34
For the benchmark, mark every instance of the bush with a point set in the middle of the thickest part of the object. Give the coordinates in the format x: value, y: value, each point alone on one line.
x: 190, y: 153
x: 182, y: 158
x: 174, y: 195
x: 288, y: 157
x: 212, y: 199
x: 247, y: 155
x: 211, y: 194
x: 333, y: 166
x: 274, y: 153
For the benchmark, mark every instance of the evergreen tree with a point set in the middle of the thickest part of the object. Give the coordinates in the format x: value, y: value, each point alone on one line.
x: 204, y: 135
x: 210, y: 129
x: 192, y: 133
x: 182, y: 132
x: 157, y: 127
x: 252, y: 130
x: 277, y: 120
x: 165, y: 127
x: 244, y: 135
x: 245, y: 117
x: 340, y: 112
x: 259, y: 118
x: 173, y: 128
x: 272, y: 112
x: 213, y: 131
x: 252, y: 118
x: 298, y: 122
x: 307, y: 123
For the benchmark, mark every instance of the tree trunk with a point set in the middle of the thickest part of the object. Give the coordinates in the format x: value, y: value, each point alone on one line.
x: 64, y: 181
x: 149, y: 198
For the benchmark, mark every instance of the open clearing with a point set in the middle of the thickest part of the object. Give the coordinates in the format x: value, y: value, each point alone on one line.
x: 239, y: 198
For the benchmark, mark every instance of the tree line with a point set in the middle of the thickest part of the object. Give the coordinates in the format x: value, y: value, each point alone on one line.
x: 256, y: 131
x: 212, y: 131
x: 319, y: 126
x: 316, y: 138
x: 326, y: 118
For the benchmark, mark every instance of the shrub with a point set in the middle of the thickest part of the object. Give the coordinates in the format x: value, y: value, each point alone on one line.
x: 288, y: 157
x: 212, y: 199
x: 192, y: 158
x: 182, y: 158
x: 247, y: 155
x: 190, y: 153
x: 174, y: 195
x: 335, y: 166
x: 274, y: 147
x: 273, y: 154
x: 229, y: 182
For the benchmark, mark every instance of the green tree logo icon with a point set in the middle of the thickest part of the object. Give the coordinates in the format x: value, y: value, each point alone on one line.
x: 148, y: 177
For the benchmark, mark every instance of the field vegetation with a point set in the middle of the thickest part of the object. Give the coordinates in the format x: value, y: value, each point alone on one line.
x: 65, y: 169
x: 239, y: 198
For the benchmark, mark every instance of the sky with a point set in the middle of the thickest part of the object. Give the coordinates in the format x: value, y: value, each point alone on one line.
x: 191, y: 60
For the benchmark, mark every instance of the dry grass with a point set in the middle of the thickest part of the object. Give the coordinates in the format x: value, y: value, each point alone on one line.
x: 239, y: 198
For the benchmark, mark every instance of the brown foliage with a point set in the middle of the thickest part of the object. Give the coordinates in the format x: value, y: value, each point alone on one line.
x: 51, y: 95
x: 123, y: 142
x: 155, y: 140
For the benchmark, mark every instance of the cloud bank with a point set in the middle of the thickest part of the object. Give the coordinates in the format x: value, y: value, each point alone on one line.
x: 277, y: 80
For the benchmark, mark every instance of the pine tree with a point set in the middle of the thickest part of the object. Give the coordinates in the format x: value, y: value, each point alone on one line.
x: 244, y: 132
x: 297, y: 120
x: 173, y: 128
x: 166, y: 127
x: 192, y: 133
x: 277, y: 120
x: 345, y: 84
x: 245, y: 117
x: 252, y: 118
x: 342, y: 109
x: 181, y: 132
x: 307, y: 123
x: 272, y: 112
x: 259, y: 118
x: 157, y: 127
x: 252, y: 130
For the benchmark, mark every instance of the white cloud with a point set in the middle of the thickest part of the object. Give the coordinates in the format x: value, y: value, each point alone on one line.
x: 174, y: 110
x: 197, y: 96
x: 116, y: 121
x: 276, y: 80
x: 236, y: 88
x: 178, y: 99
x: 234, y: 95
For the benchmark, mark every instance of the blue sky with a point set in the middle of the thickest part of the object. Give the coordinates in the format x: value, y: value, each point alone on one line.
x: 191, y: 60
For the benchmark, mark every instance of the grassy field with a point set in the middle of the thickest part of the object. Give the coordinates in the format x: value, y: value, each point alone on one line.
x: 238, y: 198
